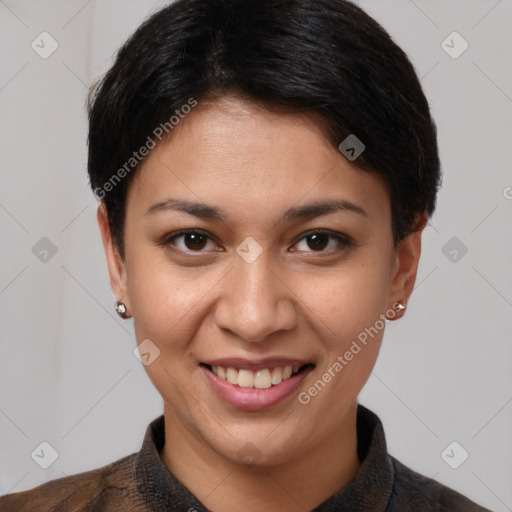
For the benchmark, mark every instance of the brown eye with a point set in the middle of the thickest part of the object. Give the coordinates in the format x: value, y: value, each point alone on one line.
x: 188, y: 241
x: 318, y: 241
x: 194, y: 241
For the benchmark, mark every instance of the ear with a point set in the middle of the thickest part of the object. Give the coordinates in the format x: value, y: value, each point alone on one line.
x: 116, y: 265
x: 406, y: 263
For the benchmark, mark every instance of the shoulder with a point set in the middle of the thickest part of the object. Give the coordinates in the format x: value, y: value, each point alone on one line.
x: 413, y: 491
x: 91, y: 490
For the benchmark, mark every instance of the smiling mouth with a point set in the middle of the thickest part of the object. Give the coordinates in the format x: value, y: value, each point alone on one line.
x: 264, y: 378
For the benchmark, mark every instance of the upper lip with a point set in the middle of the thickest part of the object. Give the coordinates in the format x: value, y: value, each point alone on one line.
x: 256, y: 364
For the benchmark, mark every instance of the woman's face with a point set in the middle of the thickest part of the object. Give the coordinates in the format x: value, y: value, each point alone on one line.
x: 250, y: 287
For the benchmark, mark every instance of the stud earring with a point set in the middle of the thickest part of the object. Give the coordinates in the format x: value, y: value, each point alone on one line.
x: 397, y: 312
x: 121, y: 309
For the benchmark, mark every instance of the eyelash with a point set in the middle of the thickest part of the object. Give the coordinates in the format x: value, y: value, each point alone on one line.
x: 343, y: 240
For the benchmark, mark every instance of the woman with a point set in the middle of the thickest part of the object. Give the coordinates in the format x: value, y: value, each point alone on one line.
x: 265, y: 170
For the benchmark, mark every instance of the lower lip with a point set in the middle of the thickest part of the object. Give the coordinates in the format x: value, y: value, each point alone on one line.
x: 252, y: 399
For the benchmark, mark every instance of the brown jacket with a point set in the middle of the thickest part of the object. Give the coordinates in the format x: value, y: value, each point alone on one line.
x: 142, y: 483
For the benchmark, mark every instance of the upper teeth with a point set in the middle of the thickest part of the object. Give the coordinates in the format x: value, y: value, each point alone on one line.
x: 261, y: 379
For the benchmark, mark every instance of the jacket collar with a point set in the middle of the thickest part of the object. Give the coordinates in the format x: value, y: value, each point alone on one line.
x: 369, y: 490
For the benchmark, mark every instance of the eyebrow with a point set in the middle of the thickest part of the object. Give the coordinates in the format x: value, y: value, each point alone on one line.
x: 307, y: 211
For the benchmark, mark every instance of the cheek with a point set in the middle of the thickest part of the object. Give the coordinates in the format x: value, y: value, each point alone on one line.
x: 346, y: 300
x: 347, y: 315
x: 167, y: 302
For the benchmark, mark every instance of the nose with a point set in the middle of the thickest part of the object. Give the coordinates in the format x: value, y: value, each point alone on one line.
x: 255, y: 301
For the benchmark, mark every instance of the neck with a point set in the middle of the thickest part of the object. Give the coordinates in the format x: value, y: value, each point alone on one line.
x: 302, y: 483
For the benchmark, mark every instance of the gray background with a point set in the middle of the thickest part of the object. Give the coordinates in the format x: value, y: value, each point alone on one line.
x: 68, y: 375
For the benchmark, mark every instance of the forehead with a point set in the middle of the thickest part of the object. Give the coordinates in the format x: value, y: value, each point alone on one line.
x: 249, y: 159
